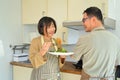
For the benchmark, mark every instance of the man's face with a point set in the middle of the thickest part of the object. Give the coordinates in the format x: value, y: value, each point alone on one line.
x: 87, y: 22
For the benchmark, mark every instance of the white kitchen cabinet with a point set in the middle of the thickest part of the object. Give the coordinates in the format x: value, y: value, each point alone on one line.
x: 57, y: 9
x: 21, y: 73
x: 69, y: 76
x: 76, y: 7
x: 33, y: 10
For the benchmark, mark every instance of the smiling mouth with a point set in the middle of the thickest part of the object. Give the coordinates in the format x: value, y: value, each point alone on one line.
x: 51, y: 33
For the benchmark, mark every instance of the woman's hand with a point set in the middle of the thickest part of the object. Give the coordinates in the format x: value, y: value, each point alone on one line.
x: 62, y: 57
x: 45, y: 48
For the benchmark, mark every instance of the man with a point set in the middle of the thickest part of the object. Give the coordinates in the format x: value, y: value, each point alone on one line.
x: 99, y: 49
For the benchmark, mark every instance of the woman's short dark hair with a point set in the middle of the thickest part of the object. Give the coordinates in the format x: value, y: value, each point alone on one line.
x: 45, y: 22
x: 94, y: 11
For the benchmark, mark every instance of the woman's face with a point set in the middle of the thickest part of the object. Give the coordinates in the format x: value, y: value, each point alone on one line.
x: 50, y: 30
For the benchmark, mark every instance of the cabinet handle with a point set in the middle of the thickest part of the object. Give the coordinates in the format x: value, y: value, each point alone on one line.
x: 63, y: 37
x: 43, y: 13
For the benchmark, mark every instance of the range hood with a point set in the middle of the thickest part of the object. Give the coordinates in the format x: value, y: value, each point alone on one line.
x: 109, y: 23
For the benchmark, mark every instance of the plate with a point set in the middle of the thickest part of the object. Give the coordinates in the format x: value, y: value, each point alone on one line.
x: 61, y: 53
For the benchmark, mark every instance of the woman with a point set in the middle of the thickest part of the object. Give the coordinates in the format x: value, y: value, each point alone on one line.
x: 45, y: 66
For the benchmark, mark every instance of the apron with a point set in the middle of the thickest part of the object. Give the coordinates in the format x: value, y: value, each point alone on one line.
x: 50, y: 70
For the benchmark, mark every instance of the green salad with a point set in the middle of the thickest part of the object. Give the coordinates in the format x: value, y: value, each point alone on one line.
x: 62, y: 50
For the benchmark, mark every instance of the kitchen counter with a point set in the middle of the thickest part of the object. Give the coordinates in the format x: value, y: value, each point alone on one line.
x: 67, y: 68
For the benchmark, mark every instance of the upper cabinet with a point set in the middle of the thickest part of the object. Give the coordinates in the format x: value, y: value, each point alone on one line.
x: 32, y: 10
x: 57, y: 9
x: 76, y: 7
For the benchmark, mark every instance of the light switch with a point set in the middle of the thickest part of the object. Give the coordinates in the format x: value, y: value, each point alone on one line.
x: 1, y: 49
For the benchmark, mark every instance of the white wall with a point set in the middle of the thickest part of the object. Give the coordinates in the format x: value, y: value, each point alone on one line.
x: 114, y: 13
x: 10, y: 33
x: 28, y: 31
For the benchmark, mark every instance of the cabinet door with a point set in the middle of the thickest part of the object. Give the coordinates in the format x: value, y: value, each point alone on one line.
x: 33, y: 10
x: 21, y: 73
x: 57, y: 9
x: 68, y: 76
x: 76, y: 7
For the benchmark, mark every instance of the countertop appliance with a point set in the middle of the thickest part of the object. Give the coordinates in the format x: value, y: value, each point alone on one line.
x: 109, y: 23
x: 20, y: 57
x: 20, y: 52
x: 79, y: 64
